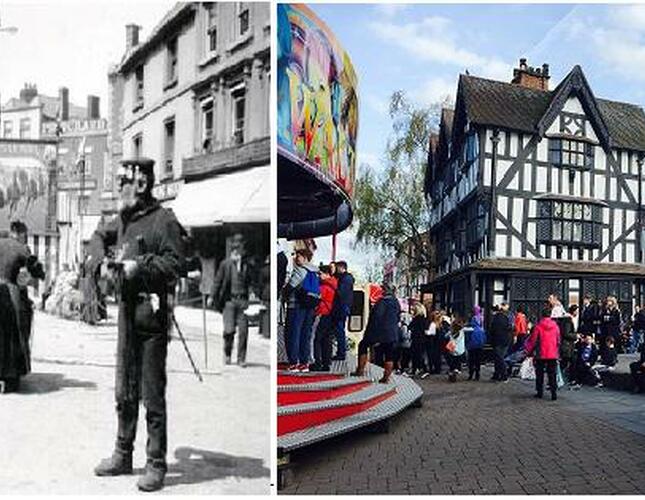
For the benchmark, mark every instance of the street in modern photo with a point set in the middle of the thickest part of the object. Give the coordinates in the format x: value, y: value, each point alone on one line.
x: 460, y: 264
x: 134, y: 248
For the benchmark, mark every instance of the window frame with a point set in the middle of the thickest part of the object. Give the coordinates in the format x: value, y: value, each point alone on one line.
x: 561, y: 146
x: 139, y: 87
x: 239, y: 133
x: 242, y: 9
x: 137, y: 145
x: 172, y: 62
x: 569, y: 222
x: 6, y: 129
x: 24, y: 132
x: 169, y: 146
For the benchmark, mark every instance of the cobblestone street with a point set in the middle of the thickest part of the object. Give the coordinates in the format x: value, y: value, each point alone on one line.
x: 488, y: 438
x: 62, y: 422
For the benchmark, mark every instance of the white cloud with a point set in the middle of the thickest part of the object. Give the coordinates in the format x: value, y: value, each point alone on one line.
x: 435, y: 90
x: 390, y: 9
x: 434, y: 39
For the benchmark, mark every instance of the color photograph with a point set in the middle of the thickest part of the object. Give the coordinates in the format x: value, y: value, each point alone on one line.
x: 460, y: 253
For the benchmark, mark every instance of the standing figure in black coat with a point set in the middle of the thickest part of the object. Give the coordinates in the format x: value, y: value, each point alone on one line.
x: 147, y: 263
x: 500, y: 337
x: 382, y: 329
x: 611, y: 320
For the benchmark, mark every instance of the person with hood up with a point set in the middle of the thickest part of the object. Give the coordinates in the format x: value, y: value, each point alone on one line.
x: 302, y: 300
x: 475, y: 340
x: 500, y: 338
x: 322, y: 339
x: 544, y: 344
x: 383, y: 330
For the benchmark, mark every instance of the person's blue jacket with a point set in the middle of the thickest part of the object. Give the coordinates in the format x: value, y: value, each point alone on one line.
x: 476, y: 337
x: 383, y: 324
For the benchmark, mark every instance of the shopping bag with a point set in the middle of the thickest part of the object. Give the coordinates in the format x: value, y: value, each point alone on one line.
x: 559, y: 379
x: 527, y: 370
x: 451, y: 346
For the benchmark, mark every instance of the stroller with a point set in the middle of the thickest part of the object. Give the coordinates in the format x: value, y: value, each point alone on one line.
x: 514, y: 358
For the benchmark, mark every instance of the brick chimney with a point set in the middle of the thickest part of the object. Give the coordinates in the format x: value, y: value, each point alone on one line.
x: 533, y: 78
x: 93, y: 112
x: 63, y: 102
x: 28, y: 92
x: 131, y: 36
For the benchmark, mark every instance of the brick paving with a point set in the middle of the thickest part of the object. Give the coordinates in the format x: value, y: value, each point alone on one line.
x: 485, y: 438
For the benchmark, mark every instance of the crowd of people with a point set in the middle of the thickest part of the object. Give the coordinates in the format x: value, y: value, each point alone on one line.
x: 318, y: 302
x: 571, y: 346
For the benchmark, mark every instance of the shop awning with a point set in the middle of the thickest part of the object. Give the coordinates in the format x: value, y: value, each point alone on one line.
x: 235, y: 197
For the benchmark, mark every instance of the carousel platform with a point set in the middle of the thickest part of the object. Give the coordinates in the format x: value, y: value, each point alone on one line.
x: 316, y: 406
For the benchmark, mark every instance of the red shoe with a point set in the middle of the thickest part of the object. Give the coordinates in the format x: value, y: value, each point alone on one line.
x: 303, y: 368
x: 293, y: 368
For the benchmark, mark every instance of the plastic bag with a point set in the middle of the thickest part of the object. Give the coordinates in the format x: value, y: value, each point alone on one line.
x: 527, y: 370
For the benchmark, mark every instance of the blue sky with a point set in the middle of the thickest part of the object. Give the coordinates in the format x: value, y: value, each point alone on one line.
x: 422, y: 49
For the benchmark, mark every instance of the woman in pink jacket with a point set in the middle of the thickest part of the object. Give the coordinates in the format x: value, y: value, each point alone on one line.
x: 544, y: 344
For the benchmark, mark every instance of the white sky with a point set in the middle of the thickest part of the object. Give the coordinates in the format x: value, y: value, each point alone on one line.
x: 68, y: 44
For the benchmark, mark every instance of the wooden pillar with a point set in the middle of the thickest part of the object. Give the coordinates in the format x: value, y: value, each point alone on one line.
x: 493, y: 199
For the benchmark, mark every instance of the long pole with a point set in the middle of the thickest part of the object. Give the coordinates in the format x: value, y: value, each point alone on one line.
x: 80, y: 210
x: 204, y: 328
x: 493, y: 202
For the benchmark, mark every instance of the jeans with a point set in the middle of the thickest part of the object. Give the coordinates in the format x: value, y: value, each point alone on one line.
x: 637, y: 338
x: 234, y: 317
x: 499, y: 353
x: 151, y: 351
x: 299, y: 323
x: 322, y: 342
x: 341, y: 339
x: 551, y: 366
x: 474, y: 362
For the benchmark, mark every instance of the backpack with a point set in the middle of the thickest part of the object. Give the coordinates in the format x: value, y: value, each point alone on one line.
x: 308, y: 293
x: 477, y: 337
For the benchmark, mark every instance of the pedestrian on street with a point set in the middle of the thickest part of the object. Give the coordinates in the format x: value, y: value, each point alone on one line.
x: 568, y: 338
x: 544, y: 344
x: 404, y: 354
x: 325, y: 329
x: 434, y: 342
x: 589, y: 316
x: 610, y: 323
x: 557, y: 309
x: 418, y: 327
x: 500, y: 339
x: 520, y: 326
x: 638, y: 329
x: 148, y: 260
x: 17, y: 268
x: 343, y: 302
x: 382, y: 330
x: 475, y: 341
x: 302, y: 293
x: 456, y: 348
x: 235, y: 282
x: 637, y: 370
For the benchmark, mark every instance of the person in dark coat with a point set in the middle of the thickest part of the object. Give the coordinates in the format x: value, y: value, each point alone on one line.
x: 638, y: 329
x: 417, y: 327
x: 382, y: 329
x: 586, y: 357
x: 234, y: 282
x: 610, y: 323
x: 342, y: 307
x: 568, y: 337
x: 500, y: 337
x: 17, y: 268
x: 147, y: 263
x: 589, y: 316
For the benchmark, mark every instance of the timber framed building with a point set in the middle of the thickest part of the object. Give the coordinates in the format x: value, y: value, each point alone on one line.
x: 562, y: 170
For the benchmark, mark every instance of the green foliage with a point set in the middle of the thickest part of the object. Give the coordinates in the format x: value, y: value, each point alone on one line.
x: 389, y: 205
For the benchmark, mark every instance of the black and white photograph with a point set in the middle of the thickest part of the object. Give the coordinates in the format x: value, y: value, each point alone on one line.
x: 135, y: 212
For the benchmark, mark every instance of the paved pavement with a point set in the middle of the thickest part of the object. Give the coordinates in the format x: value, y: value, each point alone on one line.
x: 62, y: 422
x: 488, y: 438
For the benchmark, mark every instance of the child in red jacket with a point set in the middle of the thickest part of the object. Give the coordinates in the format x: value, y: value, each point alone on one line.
x: 324, y: 331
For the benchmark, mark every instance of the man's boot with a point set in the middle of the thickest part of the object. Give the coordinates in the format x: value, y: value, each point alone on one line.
x: 118, y: 464
x: 152, y: 479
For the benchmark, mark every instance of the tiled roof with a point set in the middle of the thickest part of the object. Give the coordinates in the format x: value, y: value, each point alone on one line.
x: 490, y: 102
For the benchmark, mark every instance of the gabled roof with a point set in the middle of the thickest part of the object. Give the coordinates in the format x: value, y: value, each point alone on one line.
x: 494, y: 103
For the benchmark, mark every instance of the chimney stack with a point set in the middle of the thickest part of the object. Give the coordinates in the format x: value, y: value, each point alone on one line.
x: 63, y: 102
x: 28, y: 92
x: 530, y: 77
x: 93, y: 112
x: 131, y: 36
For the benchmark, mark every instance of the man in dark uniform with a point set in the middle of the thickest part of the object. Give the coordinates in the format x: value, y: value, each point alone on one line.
x: 17, y: 268
x: 233, y: 284
x: 147, y: 260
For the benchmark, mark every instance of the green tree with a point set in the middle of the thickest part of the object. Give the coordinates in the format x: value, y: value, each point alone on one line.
x: 390, y: 204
